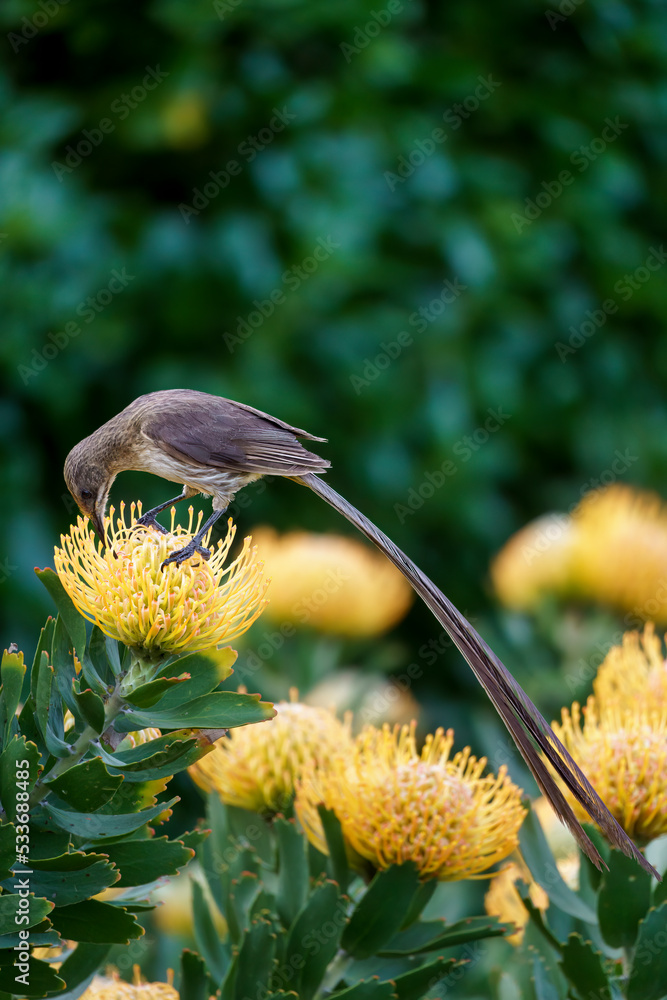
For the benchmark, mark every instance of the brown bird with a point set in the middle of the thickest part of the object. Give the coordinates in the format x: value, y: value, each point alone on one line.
x: 216, y: 446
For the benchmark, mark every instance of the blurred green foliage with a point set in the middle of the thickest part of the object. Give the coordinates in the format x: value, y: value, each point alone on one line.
x: 115, y: 116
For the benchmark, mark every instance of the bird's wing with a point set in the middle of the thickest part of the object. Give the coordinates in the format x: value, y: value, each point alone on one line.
x: 219, y: 433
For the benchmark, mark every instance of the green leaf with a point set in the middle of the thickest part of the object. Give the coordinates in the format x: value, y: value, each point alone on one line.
x: 207, y: 670
x: 542, y: 866
x: 367, y: 989
x: 414, y: 984
x: 12, y: 672
x: 313, y: 938
x: 543, y: 983
x: 74, y: 622
x: 62, y: 661
x: 96, y: 922
x: 419, y: 901
x: 245, y: 890
x: 79, y: 968
x: 660, y: 891
x: 159, y: 856
x: 37, y: 981
x: 648, y: 976
x: 72, y: 877
x: 436, y: 934
x: 207, y: 936
x: 162, y: 757
x: 381, y: 910
x: 336, y: 843
x: 43, y: 646
x: 87, y: 786
x: 90, y: 705
x: 7, y: 849
x: 15, y: 752
x: 96, y: 666
x: 292, y: 871
x: 584, y: 968
x: 255, y: 959
x: 149, y: 694
x: 218, y: 710
x: 194, y: 978
x: 99, y: 826
x: 623, y: 900
x: 12, y: 906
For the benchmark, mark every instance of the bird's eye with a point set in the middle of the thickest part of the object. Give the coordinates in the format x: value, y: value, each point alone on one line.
x: 86, y: 495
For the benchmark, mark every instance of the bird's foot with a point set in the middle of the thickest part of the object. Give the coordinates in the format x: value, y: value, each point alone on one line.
x: 193, y: 547
x: 150, y: 521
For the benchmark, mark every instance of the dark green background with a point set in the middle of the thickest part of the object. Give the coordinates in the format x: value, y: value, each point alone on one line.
x: 555, y: 82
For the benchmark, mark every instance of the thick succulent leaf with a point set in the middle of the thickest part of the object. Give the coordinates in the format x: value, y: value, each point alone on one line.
x: 158, y: 856
x: 208, y: 939
x: 207, y: 670
x: 339, y: 868
x: 87, y: 786
x: 90, y: 706
x: 74, y: 622
x: 381, y: 910
x: 368, y: 989
x: 648, y: 976
x: 12, y: 673
x: 255, y: 959
x: 15, y: 752
x: 162, y: 757
x: 43, y: 646
x: 292, y: 871
x: 72, y: 877
x: 37, y: 981
x: 584, y: 968
x: 414, y: 984
x: 62, y: 661
x: 218, y: 710
x: 96, y: 923
x: 14, y: 913
x: 80, y: 966
x: 436, y: 934
x: 623, y: 900
x: 7, y: 849
x: 314, y: 938
x: 194, y: 984
x: 542, y: 866
x: 99, y: 826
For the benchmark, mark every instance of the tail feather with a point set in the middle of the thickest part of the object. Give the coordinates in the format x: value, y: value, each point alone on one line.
x: 530, y: 731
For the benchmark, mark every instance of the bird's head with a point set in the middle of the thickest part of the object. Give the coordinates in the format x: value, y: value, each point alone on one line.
x: 89, y: 481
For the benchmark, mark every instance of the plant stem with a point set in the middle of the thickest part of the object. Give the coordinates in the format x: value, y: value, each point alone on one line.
x: 79, y: 749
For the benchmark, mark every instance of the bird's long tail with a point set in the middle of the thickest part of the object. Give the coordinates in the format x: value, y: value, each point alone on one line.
x: 530, y: 731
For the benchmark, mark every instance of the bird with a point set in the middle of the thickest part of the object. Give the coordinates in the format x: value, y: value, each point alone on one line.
x: 215, y: 446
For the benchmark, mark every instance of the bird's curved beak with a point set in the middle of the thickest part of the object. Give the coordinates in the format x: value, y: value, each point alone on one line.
x: 97, y: 521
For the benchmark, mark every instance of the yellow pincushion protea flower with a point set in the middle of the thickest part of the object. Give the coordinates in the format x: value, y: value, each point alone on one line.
x: 255, y: 767
x: 612, y: 550
x: 634, y: 672
x: 397, y: 805
x: 332, y: 583
x: 112, y: 987
x: 622, y: 749
x: 124, y: 590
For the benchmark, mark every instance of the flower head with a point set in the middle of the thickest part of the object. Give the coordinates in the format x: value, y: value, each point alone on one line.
x: 622, y: 748
x: 125, y: 591
x: 634, y: 672
x: 332, y: 583
x: 112, y: 987
x: 613, y: 550
x: 397, y: 805
x: 255, y: 767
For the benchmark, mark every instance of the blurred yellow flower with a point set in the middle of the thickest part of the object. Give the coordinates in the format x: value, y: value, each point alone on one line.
x: 255, y: 766
x: 397, y: 805
x: 124, y: 590
x: 372, y: 698
x: 112, y: 987
x: 613, y: 550
x: 622, y: 748
x: 332, y: 583
x: 633, y: 672
x: 502, y: 898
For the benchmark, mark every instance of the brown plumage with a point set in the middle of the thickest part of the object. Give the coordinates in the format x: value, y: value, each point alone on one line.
x: 216, y: 446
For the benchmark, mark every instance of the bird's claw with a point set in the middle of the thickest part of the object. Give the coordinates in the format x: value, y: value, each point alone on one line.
x: 187, y: 552
x: 149, y: 521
